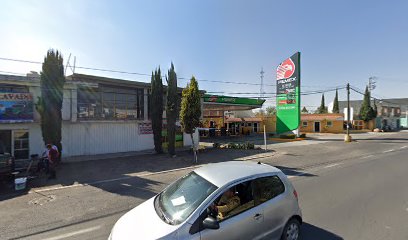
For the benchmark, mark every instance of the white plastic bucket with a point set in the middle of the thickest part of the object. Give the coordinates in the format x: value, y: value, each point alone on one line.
x: 20, y: 183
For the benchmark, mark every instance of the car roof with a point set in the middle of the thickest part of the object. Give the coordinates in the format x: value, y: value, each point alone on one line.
x: 223, y: 173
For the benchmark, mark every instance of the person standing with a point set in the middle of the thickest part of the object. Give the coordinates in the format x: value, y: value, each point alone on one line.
x: 52, y: 160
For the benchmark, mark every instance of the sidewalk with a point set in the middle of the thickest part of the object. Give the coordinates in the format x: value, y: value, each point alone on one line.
x: 94, y: 171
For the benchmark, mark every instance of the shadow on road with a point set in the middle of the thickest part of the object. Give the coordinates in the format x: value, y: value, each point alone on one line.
x: 113, y: 175
x: 311, y: 232
x: 289, y: 171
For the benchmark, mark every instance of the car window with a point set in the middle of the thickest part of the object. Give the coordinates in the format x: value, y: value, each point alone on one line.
x: 233, y: 201
x: 182, y: 197
x: 266, y: 188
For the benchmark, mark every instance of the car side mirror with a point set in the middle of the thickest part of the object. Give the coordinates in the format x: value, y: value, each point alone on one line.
x: 211, y: 223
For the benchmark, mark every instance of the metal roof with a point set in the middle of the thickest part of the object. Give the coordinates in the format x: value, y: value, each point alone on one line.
x: 223, y: 173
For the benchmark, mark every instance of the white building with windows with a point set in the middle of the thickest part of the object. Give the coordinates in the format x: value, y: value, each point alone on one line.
x: 100, y: 116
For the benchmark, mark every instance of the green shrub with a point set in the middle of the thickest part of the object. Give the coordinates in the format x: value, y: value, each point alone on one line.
x: 289, y: 136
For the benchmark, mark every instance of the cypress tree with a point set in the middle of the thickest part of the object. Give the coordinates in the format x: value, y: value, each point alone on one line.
x: 191, y: 110
x: 156, y: 109
x: 366, y: 111
x: 322, y: 108
x: 171, y: 109
x: 336, y: 103
x: 304, y: 110
x: 49, y: 105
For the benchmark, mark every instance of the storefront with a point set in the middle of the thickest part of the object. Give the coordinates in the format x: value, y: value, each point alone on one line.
x: 99, y: 116
x: 214, y: 116
x: 16, y: 117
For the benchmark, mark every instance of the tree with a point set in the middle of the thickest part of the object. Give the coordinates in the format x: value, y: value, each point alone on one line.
x: 366, y: 111
x: 260, y: 113
x: 304, y: 110
x: 49, y: 105
x: 156, y: 109
x: 322, y: 108
x: 171, y: 109
x: 271, y: 110
x: 336, y: 103
x: 375, y: 113
x: 191, y: 110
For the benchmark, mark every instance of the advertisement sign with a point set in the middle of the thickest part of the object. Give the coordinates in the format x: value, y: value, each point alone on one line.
x: 232, y: 100
x: 16, y: 107
x: 288, y: 94
x: 145, y: 128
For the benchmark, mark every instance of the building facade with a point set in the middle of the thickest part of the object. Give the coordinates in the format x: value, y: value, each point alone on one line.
x: 99, y: 116
x: 391, y: 113
x: 322, y: 123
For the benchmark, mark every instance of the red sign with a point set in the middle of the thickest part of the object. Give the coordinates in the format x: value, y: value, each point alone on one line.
x: 285, y: 69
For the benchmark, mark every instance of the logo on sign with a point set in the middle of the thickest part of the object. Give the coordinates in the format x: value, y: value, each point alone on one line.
x: 286, y: 69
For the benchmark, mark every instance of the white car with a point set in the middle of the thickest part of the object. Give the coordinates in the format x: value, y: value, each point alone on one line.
x: 261, y: 203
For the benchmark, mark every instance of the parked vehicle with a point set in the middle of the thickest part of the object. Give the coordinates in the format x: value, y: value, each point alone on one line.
x: 265, y: 206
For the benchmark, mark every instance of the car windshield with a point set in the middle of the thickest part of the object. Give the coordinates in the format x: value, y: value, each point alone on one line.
x: 182, y: 197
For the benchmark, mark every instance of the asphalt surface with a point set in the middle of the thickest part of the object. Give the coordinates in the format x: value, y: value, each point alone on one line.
x: 347, y: 191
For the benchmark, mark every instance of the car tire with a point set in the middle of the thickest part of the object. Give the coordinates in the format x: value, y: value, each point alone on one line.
x: 291, y: 230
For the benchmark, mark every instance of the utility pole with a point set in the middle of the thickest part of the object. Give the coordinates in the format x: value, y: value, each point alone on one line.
x: 261, y: 91
x: 371, y: 83
x: 347, y: 138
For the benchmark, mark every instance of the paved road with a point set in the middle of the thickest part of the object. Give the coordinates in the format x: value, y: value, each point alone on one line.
x: 347, y: 191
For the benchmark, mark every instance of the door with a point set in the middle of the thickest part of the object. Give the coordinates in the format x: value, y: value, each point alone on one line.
x: 317, y: 126
x: 244, y: 225
x: 242, y: 221
x: 269, y: 194
x: 5, y: 141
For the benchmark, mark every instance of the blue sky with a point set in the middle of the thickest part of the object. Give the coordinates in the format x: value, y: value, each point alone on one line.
x: 340, y: 41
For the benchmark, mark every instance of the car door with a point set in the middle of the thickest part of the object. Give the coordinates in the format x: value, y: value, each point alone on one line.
x: 241, y: 223
x: 244, y: 225
x: 269, y: 195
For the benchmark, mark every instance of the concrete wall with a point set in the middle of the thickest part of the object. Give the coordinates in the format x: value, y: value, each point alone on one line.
x: 93, y: 138
x: 270, y: 124
x: 187, y: 139
x: 337, y: 126
x: 89, y: 138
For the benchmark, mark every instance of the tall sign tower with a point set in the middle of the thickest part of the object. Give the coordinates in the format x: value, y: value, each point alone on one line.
x: 288, y: 94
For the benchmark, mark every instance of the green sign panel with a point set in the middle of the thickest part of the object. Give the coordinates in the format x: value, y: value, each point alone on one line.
x: 233, y: 100
x: 288, y: 94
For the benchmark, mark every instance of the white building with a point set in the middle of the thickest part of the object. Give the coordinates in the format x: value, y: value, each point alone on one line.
x: 100, y: 116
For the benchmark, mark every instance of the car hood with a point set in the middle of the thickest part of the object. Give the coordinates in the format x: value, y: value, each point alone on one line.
x: 142, y: 222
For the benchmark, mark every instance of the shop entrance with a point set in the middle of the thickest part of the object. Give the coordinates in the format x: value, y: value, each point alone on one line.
x: 317, y: 126
x: 14, y: 142
x: 5, y: 141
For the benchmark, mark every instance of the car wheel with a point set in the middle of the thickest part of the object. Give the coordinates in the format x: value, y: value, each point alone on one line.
x: 291, y: 230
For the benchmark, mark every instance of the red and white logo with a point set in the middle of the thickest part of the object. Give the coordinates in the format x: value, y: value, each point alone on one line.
x: 285, y: 69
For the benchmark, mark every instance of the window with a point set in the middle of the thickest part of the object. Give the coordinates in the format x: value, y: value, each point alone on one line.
x: 110, y: 103
x: 304, y: 124
x: 182, y: 197
x: 233, y: 201
x: 329, y: 123
x: 21, y: 149
x: 267, y: 188
x: 249, y: 124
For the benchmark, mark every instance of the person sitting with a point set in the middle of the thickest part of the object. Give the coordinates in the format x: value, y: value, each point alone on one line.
x: 228, y: 202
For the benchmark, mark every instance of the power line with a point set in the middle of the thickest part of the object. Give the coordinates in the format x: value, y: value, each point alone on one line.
x: 136, y: 73
x: 148, y: 75
x: 378, y: 99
